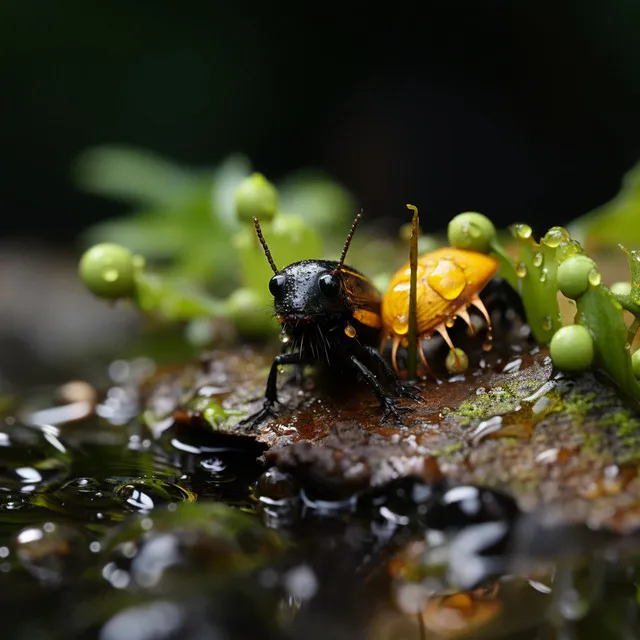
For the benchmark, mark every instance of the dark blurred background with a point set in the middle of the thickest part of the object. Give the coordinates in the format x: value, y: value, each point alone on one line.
x: 522, y: 110
x: 526, y: 111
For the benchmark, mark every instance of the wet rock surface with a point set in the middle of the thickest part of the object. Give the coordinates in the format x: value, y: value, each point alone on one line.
x: 511, y: 424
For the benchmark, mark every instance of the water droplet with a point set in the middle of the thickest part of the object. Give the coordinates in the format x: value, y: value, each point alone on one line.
x: 523, y: 231
x: 400, y: 325
x: 110, y: 275
x: 543, y: 276
x: 447, y: 279
x: 555, y: 236
x: 350, y: 331
x: 521, y: 270
x: 594, y: 277
x: 449, y: 323
x: 537, y: 259
x: 284, y: 337
x: 546, y: 323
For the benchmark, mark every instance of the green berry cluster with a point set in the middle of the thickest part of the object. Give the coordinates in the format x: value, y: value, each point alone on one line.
x: 599, y: 337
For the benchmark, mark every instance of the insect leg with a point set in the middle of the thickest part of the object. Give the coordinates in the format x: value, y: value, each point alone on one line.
x: 387, y: 401
x: 402, y: 388
x: 271, y: 392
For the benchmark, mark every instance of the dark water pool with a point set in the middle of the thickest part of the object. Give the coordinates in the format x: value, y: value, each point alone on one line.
x: 106, y: 532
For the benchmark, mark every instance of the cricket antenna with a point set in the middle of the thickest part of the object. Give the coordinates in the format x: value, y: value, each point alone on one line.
x: 347, y: 242
x: 263, y: 242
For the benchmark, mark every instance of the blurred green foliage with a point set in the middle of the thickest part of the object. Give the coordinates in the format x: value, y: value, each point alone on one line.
x: 191, y: 235
x: 183, y: 219
x: 616, y: 220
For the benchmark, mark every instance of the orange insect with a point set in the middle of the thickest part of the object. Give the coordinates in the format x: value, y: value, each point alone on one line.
x: 448, y: 282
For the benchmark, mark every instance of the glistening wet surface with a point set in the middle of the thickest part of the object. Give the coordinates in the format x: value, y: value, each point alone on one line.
x: 505, y: 506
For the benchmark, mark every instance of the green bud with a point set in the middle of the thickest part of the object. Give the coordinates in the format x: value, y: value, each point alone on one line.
x: 108, y: 271
x: 472, y: 231
x: 256, y: 197
x: 574, y: 275
x: 621, y: 290
x: 571, y: 348
x: 457, y: 361
x: 635, y: 363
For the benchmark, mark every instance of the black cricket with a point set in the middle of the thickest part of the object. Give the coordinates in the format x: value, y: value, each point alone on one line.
x: 330, y: 314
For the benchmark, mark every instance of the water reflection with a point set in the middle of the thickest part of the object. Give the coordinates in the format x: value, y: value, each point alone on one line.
x: 108, y: 532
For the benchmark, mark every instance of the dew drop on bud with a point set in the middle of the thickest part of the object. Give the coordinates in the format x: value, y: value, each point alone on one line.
x: 594, y: 277
x: 523, y: 231
x: 555, y: 237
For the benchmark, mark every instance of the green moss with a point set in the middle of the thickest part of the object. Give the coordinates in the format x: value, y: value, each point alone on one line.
x: 494, y: 402
x: 578, y: 404
x: 452, y: 448
x: 626, y: 425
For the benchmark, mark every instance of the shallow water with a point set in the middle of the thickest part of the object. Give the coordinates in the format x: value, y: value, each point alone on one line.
x: 110, y: 531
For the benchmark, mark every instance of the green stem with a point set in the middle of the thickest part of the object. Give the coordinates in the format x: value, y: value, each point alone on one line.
x: 633, y: 330
x: 173, y: 300
x: 508, y: 267
x: 412, y: 353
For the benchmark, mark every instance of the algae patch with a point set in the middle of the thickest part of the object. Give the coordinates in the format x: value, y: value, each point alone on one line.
x: 499, y: 400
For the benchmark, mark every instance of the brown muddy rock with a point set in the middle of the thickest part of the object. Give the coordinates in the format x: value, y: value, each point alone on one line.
x: 510, y: 424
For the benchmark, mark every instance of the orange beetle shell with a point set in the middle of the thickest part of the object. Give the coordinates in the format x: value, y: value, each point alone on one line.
x: 448, y: 281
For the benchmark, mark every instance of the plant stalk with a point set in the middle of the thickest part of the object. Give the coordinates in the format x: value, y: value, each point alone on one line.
x: 412, y: 349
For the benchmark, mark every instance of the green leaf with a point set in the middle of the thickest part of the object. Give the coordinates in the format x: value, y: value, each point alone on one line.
x: 616, y: 219
x: 133, y: 175
x: 174, y: 300
x: 145, y: 233
x: 601, y: 314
